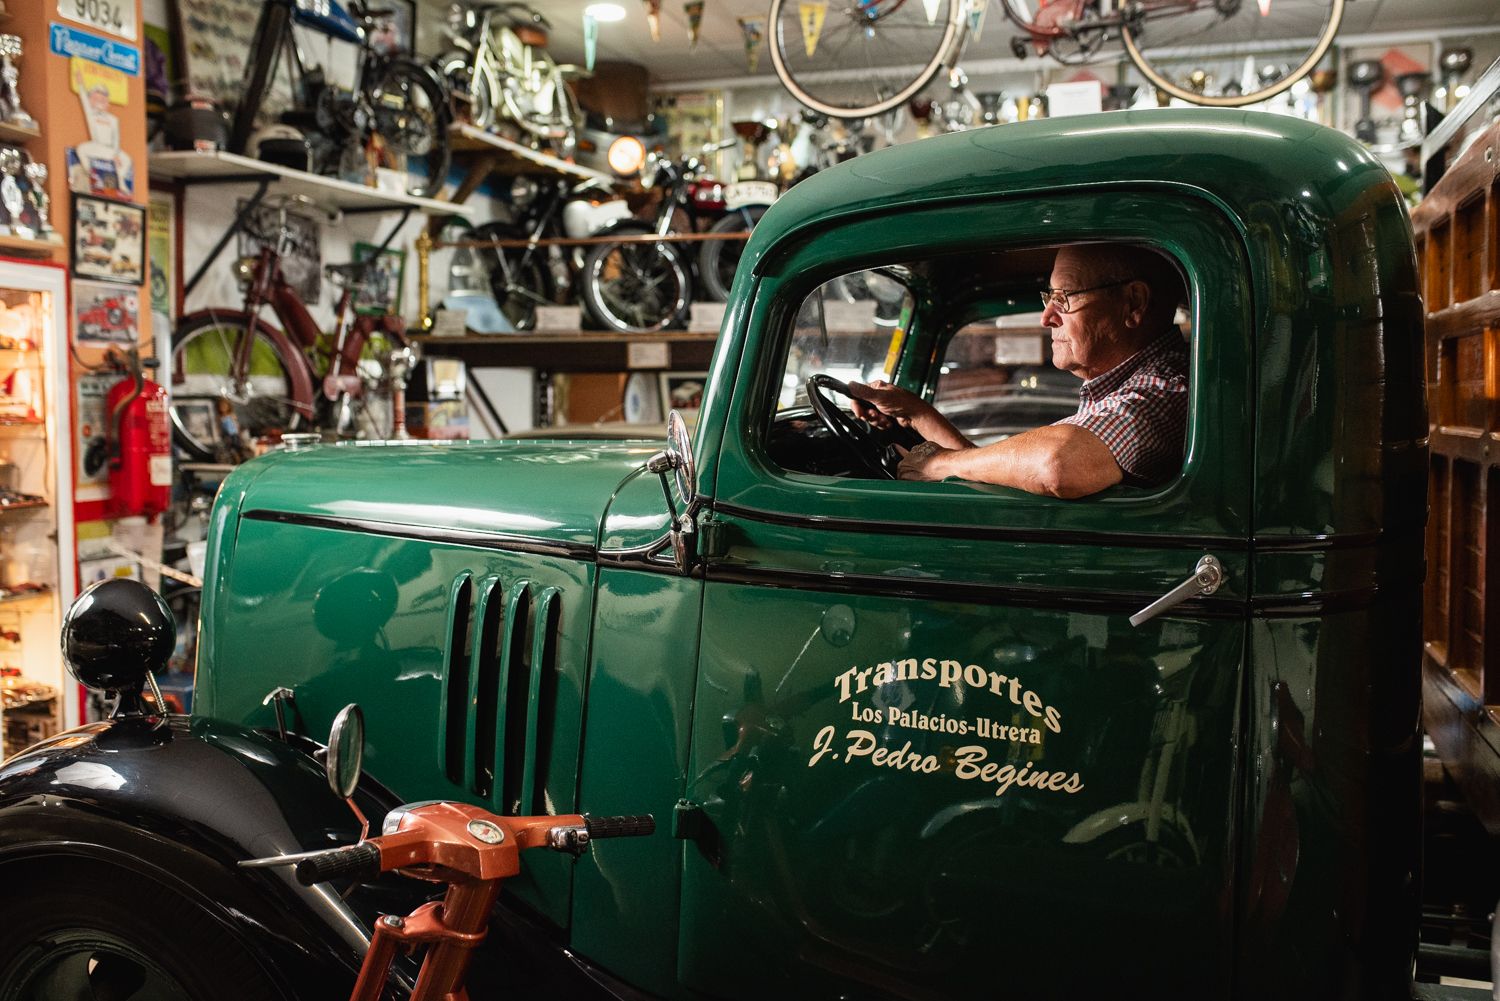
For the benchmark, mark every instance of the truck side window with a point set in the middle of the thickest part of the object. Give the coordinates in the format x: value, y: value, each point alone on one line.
x: 965, y: 333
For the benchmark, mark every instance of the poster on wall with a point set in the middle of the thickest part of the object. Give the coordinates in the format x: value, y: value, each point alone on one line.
x: 90, y: 450
x: 109, y: 240
x: 216, y: 38
x: 161, y: 231
x: 98, y: 166
x: 105, y: 314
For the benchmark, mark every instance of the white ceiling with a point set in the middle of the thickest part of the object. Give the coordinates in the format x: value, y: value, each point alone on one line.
x: 720, y: 55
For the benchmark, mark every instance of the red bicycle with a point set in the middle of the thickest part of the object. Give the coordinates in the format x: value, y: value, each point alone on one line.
x: 237, y: 377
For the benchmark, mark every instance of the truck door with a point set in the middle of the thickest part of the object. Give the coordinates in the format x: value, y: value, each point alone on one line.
x: 930, y: 753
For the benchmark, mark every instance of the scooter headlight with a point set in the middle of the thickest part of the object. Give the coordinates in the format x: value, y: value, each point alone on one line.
x: 626, y: 155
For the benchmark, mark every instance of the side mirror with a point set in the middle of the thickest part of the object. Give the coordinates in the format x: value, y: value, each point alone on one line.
x: 115, y: 636
x: 677, y: 459
x: 346, y: 756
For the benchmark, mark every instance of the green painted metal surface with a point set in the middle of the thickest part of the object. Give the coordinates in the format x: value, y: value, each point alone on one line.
x: 916, y: 747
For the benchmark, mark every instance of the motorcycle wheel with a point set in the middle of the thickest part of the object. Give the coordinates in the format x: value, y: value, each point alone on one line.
x: 411, y: 114
x: 482, y: 107
x: 106, y: 932
x: 202, y: 350
x: 519, y: 288
x: 636, y: 288
x: 719, y: 259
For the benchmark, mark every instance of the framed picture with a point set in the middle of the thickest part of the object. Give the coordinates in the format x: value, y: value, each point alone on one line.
x: 682, y: 391
x: 109, y: 240
x: 395, y: 35
x: 105, y: 314
x: 380, y: 290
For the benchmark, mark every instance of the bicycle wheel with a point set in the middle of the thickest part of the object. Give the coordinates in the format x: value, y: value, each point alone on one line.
x: 871, y: 56
x: 518, y: 282
x: 411, y: 114
x: 264, y: 401
x: 636, y: 288
x: 720, y: 259
x: 1256, y: 55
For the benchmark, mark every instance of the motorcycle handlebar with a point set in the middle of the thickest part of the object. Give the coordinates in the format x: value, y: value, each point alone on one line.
x: 620, y: 827
x: 361, y: 861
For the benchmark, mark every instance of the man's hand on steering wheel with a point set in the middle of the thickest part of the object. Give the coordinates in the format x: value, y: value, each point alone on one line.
x: 868, y: 439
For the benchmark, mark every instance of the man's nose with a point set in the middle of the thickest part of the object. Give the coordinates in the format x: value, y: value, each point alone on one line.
x: 1051, y: 317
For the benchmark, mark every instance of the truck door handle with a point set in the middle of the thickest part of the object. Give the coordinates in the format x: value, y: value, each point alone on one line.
x: 1206, y: 578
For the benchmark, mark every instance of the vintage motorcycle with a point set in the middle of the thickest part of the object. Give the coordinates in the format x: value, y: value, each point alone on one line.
x: 523, y: 278
x: 467, y: 849
x: 638, y: 286
x: 498, y: 68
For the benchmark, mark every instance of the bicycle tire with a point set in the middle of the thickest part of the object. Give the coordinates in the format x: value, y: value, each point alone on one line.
x: 832, y: 84
x: 415, y: 124
x: 636, y: 288
x: 518, y: 287
x: 272, y: 399
x: 1249, y: 29
x: 719, y: 259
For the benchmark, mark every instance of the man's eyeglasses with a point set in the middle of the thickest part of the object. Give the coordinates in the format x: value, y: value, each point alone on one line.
x: 1058, y: 298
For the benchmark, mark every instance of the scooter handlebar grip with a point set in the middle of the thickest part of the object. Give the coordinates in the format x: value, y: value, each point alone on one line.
x: 361, y: 861
x: 620, y: 827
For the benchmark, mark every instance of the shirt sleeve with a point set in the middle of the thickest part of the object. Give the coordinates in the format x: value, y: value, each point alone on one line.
x: 1144, y: 426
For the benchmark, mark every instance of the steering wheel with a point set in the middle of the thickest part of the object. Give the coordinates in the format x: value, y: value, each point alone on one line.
x: 869, y: 445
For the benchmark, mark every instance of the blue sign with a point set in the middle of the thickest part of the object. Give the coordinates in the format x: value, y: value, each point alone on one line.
x: 104, y: 51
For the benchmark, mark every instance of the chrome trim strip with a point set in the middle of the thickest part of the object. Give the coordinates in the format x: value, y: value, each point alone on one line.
x: 457, y: 537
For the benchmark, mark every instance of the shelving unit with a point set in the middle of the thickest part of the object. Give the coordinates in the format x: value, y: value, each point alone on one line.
x: 217, y: 167
x: 579, y: 351
x: 513, y: 157
x: 20, y: 246
x: 17, y: 134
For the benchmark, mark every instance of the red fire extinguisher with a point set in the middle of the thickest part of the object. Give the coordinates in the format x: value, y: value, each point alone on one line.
x: 140, y: 453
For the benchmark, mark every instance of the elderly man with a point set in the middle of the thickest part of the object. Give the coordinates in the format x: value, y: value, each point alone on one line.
x: 1111, y: 310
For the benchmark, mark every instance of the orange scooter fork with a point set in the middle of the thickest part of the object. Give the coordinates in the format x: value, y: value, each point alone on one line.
x: 472, y: 850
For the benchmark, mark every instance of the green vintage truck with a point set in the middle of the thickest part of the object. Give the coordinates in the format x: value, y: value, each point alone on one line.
x: 902, y: 740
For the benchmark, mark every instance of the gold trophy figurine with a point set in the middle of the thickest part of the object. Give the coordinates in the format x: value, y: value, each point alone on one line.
x: 10, y: 78
x: 36, y: 193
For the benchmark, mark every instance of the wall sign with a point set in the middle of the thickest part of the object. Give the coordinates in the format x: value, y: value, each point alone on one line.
x: 66, y: 41
x: 117, y: 17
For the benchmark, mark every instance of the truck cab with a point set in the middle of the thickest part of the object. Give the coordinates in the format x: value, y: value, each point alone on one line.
x: 901, y: 739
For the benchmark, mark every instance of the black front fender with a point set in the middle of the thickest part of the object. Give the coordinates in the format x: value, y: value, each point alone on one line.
x: 181, y: 803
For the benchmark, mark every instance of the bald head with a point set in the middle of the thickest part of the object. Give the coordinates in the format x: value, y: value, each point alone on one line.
x: 1132, y: 295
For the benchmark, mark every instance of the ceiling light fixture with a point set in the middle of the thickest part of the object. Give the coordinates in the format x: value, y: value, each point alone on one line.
x: 605, y: 13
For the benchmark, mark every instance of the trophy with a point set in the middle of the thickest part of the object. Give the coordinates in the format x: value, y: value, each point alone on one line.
x: 1413, y: 88
x: 36, y: 193
x: 12, y: 201
x: 990, y: 102
x: 10, y: 76
x: 752, y: 133
x: 1365, y: 76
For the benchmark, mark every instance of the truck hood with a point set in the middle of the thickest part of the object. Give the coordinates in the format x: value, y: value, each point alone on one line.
x: 547, y: 490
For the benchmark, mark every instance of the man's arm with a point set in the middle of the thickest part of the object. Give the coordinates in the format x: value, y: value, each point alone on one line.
x: 883, y: 404
x: 1059, y: 460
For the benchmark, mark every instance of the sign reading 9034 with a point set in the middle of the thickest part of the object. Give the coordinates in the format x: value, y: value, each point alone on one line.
x: 114, y: 16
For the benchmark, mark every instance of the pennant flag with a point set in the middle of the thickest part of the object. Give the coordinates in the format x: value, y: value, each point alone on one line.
x: 694, y: 10
x: 590, y: 41
x: 932, y: 9
x: 753, y: 29
x: 653, y: 18
x: 811, y: 14
x: 976, y: 9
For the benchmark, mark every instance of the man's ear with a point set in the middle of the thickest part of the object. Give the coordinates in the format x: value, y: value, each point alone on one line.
x: 1137, y: 301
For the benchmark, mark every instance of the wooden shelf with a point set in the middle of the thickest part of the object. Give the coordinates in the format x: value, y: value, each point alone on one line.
x: 519, y: 159
x: 571, y: 351
x: 217, y: 167
x: 20, y: 246
x: 22, y: 506
x: 17, y: 134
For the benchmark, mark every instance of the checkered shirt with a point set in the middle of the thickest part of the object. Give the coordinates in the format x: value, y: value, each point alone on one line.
x: 1139, y: 410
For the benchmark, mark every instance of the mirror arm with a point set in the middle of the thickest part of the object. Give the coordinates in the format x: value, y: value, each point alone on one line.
x: 661, y: 464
